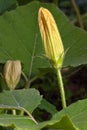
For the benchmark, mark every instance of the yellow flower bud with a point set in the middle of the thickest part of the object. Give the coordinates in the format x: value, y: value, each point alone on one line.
x: 12, y: 73
x: 51, y: 38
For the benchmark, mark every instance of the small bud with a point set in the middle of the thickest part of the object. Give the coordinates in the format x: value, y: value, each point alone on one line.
x: 51, y: 38
x: 12, y: 73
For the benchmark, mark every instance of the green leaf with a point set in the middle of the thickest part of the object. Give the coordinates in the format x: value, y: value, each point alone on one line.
x: 25, y: 123
x: 19, y: 122
x: 20, y: 38
x: 26, y: 99
x: 23, y: 2
x: 6, y: 4
x: 48, y: 107
x: 77, y: 113
x: 64, y: 123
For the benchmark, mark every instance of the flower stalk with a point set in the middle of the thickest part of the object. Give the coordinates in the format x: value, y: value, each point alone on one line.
x: 60, y: 82
x: 52, y: 44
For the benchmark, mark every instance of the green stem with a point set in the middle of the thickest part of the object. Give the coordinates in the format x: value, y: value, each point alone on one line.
x: 26, y: 79
x: 62, y: 92
x: 14, y: 112
x: 77, y: 13
x: 21, y: 112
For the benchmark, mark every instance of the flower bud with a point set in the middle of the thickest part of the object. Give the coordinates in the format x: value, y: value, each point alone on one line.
x: 51, y: 38
x: 12, y: 73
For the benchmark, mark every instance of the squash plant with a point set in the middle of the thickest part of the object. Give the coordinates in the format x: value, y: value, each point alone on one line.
x: 20, y: 39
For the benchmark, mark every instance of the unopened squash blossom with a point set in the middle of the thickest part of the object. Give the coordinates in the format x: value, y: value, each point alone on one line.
x: 12, y: 73
x: 51, y: 38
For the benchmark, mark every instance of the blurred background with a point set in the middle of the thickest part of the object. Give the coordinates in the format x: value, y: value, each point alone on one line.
x: 75, y: 79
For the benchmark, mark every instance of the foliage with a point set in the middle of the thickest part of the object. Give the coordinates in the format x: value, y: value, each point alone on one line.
x: 23, y: 23
x: 20, y: 40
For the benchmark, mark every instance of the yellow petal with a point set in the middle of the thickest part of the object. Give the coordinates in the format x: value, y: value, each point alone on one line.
x: 51, y: 38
